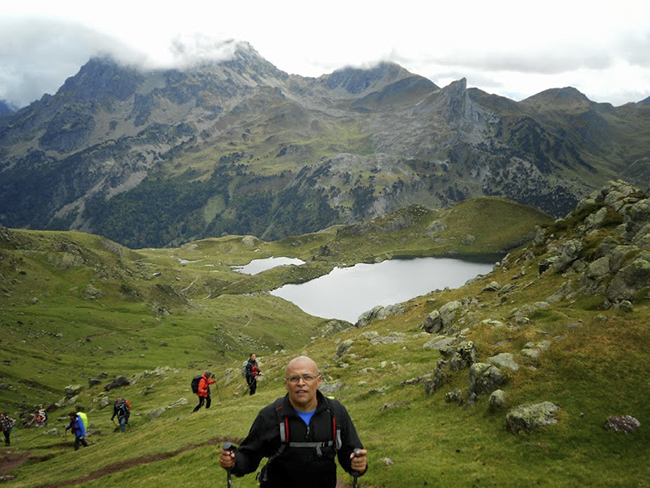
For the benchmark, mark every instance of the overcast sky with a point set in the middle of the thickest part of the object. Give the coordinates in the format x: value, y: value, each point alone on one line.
x: 514, y: 48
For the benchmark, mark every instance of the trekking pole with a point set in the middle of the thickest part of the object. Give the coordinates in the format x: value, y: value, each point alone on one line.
x: 356, y: 475
x: 216, y: 383
x: 13, y: 429
x: 228, y: 446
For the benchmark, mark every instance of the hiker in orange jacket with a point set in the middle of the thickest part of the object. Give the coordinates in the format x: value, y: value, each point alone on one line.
x: 206, y: 380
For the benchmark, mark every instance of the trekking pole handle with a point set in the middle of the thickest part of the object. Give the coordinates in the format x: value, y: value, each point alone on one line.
x: 228, y: 446
x: 357, y: 453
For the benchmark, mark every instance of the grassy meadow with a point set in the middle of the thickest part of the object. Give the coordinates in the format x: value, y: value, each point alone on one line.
x: 74, y: 306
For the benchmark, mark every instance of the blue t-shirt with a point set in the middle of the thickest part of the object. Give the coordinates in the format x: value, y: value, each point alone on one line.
x: 306, y: 416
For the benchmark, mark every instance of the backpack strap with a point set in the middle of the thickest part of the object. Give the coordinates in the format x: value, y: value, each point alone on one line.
x: 285, y: 436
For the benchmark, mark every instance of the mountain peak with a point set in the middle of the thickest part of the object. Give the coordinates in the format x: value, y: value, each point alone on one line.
x: 554, y: 97
x: 357, y: 80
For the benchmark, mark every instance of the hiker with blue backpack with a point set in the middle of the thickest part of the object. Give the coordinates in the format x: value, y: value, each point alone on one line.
x: 301, y: 434
x: 78, y: 429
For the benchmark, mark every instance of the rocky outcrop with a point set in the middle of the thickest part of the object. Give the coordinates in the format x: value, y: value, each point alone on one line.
x: 615, y: 263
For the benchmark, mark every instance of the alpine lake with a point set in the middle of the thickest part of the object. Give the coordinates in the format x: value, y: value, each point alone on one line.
x: 346, y: 293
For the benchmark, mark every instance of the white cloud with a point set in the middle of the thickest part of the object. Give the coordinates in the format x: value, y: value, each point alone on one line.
x: 601, y: 48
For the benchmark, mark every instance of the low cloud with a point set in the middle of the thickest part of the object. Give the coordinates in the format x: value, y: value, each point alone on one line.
x: 37, y: 56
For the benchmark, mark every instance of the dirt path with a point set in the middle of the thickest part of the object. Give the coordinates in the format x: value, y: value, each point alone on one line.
x: 10, y: 461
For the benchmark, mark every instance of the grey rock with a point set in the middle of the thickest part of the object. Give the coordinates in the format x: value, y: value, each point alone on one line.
x: 440, y: 342
x: 629, y: 280
x: 485, y: 378
x: 433, y: 322
x: 527, y: 417
x: 504, y: 360
x: 625, y: 424
x: 344, y: 347
x: 448, y: 312
x: 454, y: 396
x: 72, y: 390
x: 464, y: 356
x: 116, y: 383
x: 492, y: 286
x: 497, y: 400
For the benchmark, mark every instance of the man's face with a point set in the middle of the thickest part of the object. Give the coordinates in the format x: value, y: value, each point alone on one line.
x: 302, y: 390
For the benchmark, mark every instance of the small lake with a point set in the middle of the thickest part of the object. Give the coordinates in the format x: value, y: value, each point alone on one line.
x: 346, y: 293
x: 259, y: 265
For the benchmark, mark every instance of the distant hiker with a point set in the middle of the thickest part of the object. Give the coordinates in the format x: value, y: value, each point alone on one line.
x: 6, y: 423
x: 78, y: 429
x: 203, y: 390
x: 40, y: 418
x: 252, y: 372
x: 301, y: 434
x: 121, y: 410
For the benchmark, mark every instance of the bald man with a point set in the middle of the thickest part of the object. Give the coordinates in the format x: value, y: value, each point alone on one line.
x: 301, y: 434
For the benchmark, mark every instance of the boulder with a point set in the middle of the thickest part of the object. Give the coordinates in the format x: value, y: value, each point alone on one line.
x: 116, y: 383
x: 464, y: 356
x: 454, y: 396
x: 527, y: 417
x: 594, y: 275
x: 366, y: 317
x: 433, y: 322
x: 440, y: 377
x: 504, y: 360
x: 625, y: 424
x: 72, y: 390
x: 631, y: 279
x: 344, y: 347
x: 448, y: 312
x: 497, y: 400
x: 492, y: 286
x: 569, y: 252
x: 440, y: 342
x: 485, y: 378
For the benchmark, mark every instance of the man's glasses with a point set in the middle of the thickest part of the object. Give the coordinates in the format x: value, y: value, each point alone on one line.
x: 305, y: 377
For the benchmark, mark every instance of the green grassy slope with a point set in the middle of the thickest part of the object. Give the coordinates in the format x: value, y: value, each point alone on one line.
x: 208, y: 316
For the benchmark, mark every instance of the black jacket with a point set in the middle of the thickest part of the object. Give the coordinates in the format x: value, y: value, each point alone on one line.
x: 121, y: 410
x: 300, y: 466
x: 249, y: 369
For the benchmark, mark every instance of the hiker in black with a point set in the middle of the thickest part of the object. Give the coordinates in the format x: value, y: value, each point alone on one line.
x: 6, y: 424
x: 121, y: 410
x: 316, y: 431
x: 252, y: 372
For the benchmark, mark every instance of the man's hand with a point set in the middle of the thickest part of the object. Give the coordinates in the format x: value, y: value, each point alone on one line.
x: 227, y: 459
x: 359, y: 460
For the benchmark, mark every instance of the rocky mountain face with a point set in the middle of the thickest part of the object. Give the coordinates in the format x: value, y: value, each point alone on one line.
x: 239, y: 147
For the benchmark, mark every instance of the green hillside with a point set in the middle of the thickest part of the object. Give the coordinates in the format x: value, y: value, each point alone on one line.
x: 74, y: 306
